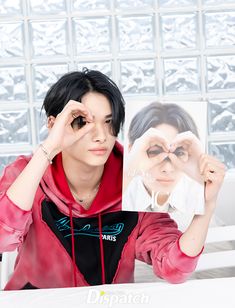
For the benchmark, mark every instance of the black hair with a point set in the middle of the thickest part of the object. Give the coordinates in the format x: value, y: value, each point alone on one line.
x: 157, y: 113
x: 74, y: 85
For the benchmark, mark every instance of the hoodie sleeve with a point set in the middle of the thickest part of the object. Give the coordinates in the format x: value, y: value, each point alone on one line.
x: 158, y: 244
x: 14, y: 222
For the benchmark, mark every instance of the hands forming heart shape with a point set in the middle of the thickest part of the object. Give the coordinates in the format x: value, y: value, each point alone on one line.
x: 183, y: 151
x: 184, y: 146
x: 152, y: 148
x: 179, y: 152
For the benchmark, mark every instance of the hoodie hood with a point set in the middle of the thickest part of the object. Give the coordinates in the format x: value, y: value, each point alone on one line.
x: 108, y: 197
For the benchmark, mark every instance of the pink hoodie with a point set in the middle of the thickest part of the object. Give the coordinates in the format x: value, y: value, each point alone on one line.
x: 62, y: 245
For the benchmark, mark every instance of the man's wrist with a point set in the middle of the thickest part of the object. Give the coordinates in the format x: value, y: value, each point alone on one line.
x: 46, y: 153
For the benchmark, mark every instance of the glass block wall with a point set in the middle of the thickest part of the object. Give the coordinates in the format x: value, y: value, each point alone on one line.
x: 166, y: 49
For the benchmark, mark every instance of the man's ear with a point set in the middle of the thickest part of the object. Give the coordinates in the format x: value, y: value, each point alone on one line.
x: 50, y: 122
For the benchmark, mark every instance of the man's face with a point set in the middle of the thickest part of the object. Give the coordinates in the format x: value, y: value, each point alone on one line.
x: 94, y: 148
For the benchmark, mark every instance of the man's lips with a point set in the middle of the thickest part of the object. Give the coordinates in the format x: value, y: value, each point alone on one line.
x: 98, y: 151
x: 165, y: 181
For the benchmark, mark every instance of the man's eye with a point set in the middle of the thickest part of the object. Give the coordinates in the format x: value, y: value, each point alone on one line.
x: 79, y: 122
x: 182, y: 154
x: 109, y: 121
x: 154, y: 151
x: 179, y: 152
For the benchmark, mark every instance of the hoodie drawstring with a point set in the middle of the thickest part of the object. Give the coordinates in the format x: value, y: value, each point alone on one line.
x: 101, y: 249
x: 73, y: 246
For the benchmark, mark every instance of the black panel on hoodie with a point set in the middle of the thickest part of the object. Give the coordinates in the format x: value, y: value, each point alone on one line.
x: 116, y: 228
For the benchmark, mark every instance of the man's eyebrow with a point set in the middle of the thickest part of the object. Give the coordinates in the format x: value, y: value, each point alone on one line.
x: 155, y: 146
x: 108, y: 116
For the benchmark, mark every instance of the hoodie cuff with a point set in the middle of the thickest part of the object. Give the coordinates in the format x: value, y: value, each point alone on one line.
x: 11, y: 216
x: 180, y: 260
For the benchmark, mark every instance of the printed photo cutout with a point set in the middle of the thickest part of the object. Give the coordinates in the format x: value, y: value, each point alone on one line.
x: 162, y: 146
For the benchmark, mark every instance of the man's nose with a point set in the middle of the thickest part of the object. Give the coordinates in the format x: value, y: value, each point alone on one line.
x: 99, y: 133
x: 167, y: 165
x: 167, y: 159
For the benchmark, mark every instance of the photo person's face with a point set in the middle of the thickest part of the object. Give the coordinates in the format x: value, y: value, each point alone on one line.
x: 164, y: 176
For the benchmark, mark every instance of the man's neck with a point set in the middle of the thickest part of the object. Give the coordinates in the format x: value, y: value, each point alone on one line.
x: 81, y: 177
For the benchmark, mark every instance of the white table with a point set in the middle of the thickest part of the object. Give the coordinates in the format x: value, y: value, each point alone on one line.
x: 208, y: 293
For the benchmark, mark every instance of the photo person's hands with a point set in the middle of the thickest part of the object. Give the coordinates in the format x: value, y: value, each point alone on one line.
x: 213, y: 172
x: 139, y: 160
x: 191, y: 150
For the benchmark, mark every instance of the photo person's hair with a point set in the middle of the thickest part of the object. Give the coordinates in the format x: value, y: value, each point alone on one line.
x: 158, y: 113
x: 74, y: 85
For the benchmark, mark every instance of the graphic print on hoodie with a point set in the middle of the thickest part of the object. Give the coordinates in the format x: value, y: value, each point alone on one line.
x: 116, y: 228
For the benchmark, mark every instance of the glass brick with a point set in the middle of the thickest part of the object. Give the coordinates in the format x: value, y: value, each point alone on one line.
x: 179, y: 31
x: 221, y: 115
x: 177, y: 3
x: 41, y: 124
x: 49, y: 38
x: 85, y: 5
x: 220, y: 73
x: 15, y: 127
x: 6, y: 159
x: 218, y: 2
x: 44, y: 76
x: 47, y: 6
x: 11, y: 40
x: 138, y: 77
x: 135, y: 33
x: 220, y: 29
x: 104, y: 67
x: 224, y: 151
x: 92, y: 35
x: 181, y: 75
x: 10, y: 7
x: 12, y: 84
x: 141, y: 4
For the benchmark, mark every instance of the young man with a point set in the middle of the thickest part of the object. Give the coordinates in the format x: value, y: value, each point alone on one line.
x: 61, y: 207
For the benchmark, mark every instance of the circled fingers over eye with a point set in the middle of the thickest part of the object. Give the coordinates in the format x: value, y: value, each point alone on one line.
x: 77, y: 109
x: 79, y: 122
x: 155, y: 137
x: 84, y: 113
x: 185, y: 145
x: 186, y: 140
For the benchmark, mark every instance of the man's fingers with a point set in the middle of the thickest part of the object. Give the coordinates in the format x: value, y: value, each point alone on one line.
x: 209, y: 162
x: 154, y: 137
x: 187, y: 140
x: 176, y: 161
x: 159, y: 158
x: 84, y: 130
x: 74, y: 109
